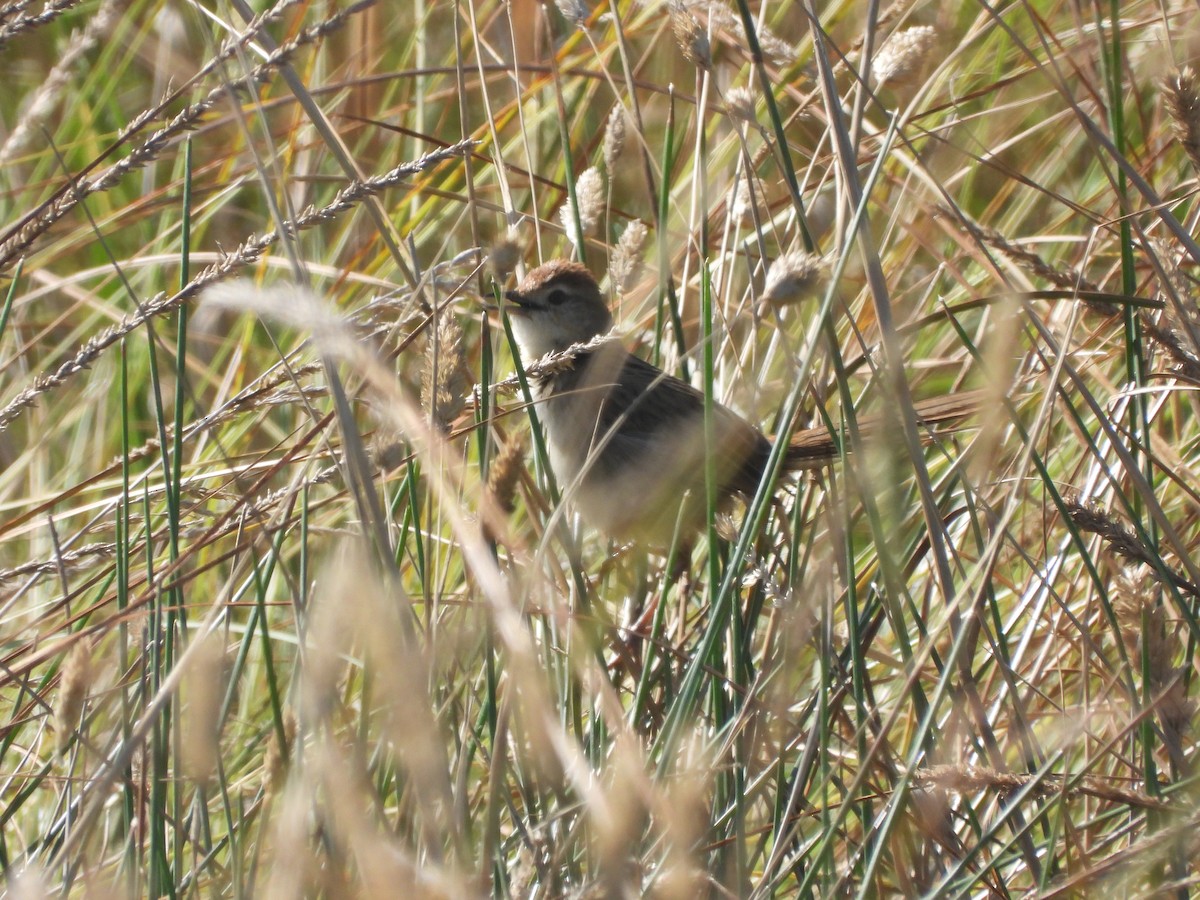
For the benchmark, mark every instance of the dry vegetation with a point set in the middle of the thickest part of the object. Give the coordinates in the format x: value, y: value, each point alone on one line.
x: 289, y: 604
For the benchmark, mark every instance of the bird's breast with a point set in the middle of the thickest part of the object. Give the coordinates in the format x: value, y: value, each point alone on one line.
x: 569, y: 420
x: 627, y: 446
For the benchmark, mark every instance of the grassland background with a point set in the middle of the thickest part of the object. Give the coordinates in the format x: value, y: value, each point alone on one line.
x: 266, y: 631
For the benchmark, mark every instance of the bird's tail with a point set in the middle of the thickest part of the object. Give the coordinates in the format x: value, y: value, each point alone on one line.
x: 816, y: 446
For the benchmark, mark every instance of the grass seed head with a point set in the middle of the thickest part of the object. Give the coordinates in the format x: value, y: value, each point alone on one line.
x: 575, y: 12
x: 73, y: 690
x: 904, y: 54
x: 627, y: 257
x: 1143, y: 621
x: 27, y: 883
x: 742, y: 210
x: 506, y: 472
x: 589, y: 194
x: 1151, y: 644
x: 618, y: 833
x: 793, y: 277
x: 740, y: 101
x: 1183, y: 105
x: 614, y: 138
x: 204, y: 690
x: 1120, y: 539
x: 445, y: 382
x: 775, y: 48
x: 690, y: 36
x: 504, y: 257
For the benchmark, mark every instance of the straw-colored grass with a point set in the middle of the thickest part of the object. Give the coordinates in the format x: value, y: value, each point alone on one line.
x: 291, y: 604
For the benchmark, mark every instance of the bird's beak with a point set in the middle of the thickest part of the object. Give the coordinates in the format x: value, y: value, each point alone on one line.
x: 520, y: 303
x: 517, y: 305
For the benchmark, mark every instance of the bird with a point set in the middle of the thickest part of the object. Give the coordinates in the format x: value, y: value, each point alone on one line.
x: 625, y: 439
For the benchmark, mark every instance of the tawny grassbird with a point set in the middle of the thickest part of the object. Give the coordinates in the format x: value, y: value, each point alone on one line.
x: 626, y: 440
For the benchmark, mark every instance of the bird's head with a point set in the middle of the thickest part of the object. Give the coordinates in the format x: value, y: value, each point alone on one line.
x: 557, y: 305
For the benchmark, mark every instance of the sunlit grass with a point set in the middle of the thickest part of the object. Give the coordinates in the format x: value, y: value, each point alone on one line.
x: 283, y: 609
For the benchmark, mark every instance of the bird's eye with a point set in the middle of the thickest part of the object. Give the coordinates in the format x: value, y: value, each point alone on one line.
x: 556, y: 297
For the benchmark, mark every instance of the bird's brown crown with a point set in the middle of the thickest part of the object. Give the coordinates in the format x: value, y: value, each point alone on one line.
x: 563, y: 272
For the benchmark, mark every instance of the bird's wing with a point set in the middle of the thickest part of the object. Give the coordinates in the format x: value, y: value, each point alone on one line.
x: 643, y: 403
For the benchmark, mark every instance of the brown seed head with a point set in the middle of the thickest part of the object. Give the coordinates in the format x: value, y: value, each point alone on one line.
x: 506, y: 472
x: 1183, y: 104
x: 1152, y: 644
x: 445, y: 381
x: 504, y: 256
x: 203, y: 688
x: 690, y: 35
x: 73, y: 690
x: 742, y: 209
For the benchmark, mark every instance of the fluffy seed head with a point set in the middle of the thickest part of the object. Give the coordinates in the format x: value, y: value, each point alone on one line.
x: 445, y: 381
x: 73, y: 691
x: 903, y: 55
x: 1142, y: 619
x: 170, y: 27
x: 1183, y: 105
x: 504, y: 256
x: 202, y: 686
x: 1151, y: 643
x: 506, y: 472
x: 793, y: 277
x: 774, y: 47
x: 743, y: 203
x: 690, y: 36
x: 614, y: 138
x: 627, y: 258
x: 741, y: 104
x: 574, y: 11
x: 589, y: 194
